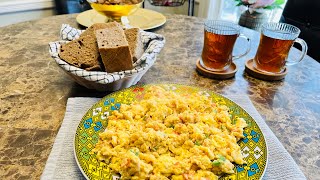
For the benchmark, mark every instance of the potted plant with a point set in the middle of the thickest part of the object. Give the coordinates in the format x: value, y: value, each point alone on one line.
x: 256, y: 11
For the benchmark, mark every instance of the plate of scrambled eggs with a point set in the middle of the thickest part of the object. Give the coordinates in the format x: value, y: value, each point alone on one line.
x: 169, y: 131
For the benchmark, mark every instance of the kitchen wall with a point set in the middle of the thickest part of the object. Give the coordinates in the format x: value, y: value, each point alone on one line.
x: 14, y: 11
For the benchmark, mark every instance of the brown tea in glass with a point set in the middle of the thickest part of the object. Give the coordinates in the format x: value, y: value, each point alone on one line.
x: 275, y: 43
x: 219, y: 40
x: 217, y: 54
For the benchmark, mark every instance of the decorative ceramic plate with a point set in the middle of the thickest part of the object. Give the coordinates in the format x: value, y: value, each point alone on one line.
x: 253, y: 146
x: 143, y: 18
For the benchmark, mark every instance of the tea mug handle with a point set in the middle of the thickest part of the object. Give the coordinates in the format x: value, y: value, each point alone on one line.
x: 248, y: 47
x: 304, y: 50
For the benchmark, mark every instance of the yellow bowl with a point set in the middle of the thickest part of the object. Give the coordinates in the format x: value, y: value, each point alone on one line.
x: 115, y: 11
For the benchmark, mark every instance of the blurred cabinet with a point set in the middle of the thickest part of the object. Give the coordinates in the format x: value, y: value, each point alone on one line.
x: 71, y: 6
x: 305, y: 15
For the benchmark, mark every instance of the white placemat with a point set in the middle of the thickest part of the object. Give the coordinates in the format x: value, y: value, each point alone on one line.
x: 61, y: 163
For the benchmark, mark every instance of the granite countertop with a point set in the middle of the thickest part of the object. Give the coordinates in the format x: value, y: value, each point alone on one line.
x: 34, y: 91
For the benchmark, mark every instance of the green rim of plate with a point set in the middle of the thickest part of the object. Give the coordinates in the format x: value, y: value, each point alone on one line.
x: 253, y: 146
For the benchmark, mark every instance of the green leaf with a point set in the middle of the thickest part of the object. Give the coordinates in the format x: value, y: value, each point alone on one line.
x: 239, y: 4
x: 279, y: 2
x: 221, y: 158
x: 269, y: 7
x: 216, y: 163
x: 276, y: 5
x: 136, y: 153
x: 197, y: 143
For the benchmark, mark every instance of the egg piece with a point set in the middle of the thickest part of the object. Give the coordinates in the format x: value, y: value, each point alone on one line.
x: 169, y: 135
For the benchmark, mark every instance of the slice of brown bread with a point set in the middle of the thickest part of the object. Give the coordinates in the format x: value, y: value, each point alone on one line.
x: 90, y: 31
x: 114, y: 48
x: 82, y: 53
x: 135, y: 43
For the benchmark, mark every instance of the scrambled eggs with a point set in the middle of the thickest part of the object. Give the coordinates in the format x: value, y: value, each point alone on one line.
x: 171, y: 136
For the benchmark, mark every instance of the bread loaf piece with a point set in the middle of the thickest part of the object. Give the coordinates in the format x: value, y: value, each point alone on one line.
x: 114, y: 48
x: 135, y: 43
x: 90, y: 31
x: 82, y: 53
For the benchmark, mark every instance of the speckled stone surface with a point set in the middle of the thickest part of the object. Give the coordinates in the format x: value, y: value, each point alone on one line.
x: 34, y: 91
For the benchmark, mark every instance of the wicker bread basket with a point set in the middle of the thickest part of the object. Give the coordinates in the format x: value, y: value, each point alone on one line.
x: 103, y: 81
